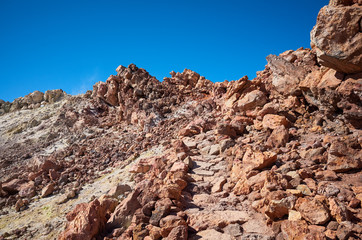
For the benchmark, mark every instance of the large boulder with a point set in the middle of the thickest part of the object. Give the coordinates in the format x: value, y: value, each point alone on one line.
x: 87, y: 220
x: 286, y: 76
x: 337, y: 37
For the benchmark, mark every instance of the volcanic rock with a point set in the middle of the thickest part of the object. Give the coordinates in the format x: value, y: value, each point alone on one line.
x: 337, y: 37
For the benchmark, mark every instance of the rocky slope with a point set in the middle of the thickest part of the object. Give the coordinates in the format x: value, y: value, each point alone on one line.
x: 277, y: 157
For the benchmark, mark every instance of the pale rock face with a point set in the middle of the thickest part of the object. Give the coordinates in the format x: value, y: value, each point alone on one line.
x: 337, y: 37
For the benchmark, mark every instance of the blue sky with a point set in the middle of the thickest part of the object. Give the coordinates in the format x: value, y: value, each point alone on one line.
x: 73, y: 44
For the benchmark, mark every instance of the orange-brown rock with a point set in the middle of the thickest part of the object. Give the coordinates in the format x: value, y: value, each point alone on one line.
x: 251, y: 100
x: 87, y: 220
x: 258, y: 160
x: 47, y: 190
x: 337, y: 37
x: 170, y: 222
x: 278, y: 138
x: 294, y: 229
x: 123, y: 213
x: 312, y: 210
x: 273, y: 121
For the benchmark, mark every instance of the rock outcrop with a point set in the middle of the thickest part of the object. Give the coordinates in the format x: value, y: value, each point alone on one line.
x: 32, y: 100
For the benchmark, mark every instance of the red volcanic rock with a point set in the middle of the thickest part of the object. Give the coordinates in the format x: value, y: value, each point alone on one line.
x: 44, y: 165
x: 178, y: 233
x: 319, y: 89
x: 87, y: 220
x: 179, y: 166
x: 344, y: 155
x: 294, y: 229
x: 337, y: 37
x: 13, y: 186
x: 112, y: 91
x: 235, y: 88
x: 251, y: 100
x: 54, y: 175
x: 124, y: 212
x: 47, y: 190
x: 274, y: 121
x: 313, y: 211
x: 226, y: 160
x: 52, y: 96
x: 170, y: 222
x: 2, y: 192
x: 279, y: 208
x: 258, y: 160
x: 27, y: 190
x: 286, y: 76
x: 143, y: 166
x: 339, y: 211
x: 279, y: 137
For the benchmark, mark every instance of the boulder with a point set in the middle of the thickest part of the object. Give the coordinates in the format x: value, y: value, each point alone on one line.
x: 88, y: 219
x: 170, y: 222
x: 13, y: 186
x: 337, y: 37
x: 123, y: 214
x: 294, y: 229
x: 273, y: 121
x: 178, y: 233
x: 27, y: 190
x: 47, y: 190
x: 286, y: 76
x: 278, y: 138
x: 251, y: 100
x: 52, y: 96
x: 312, y: 210
x: 256, y: 160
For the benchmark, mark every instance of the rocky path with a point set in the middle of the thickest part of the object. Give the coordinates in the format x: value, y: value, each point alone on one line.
x: 211, y: 205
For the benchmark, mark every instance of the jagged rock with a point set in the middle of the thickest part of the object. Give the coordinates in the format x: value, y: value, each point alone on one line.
x: 339, y: 211
x: 279, y: 208
x: 237, y: 157
x: 319, y: 89
x: 286, y: 76
x: 34, y: 98
x: 47, y: 190
x: 170, y: 222
x: 119, y: 190
x: 313, y: 211
x: 337, y: 37
x: 251, y: 100
x: 123, y: 213
x: 13, y: 186
x: 19, y: 204
x: 178, y: 233
x: 162, y: 209
x: 343, y: 156
x: 27, y: 190
x: 294, y: 229
x: 255, y: 160
x: 274, y: 121
x: 278, y: 138
x: 52, y: 96
x: 87, y: 220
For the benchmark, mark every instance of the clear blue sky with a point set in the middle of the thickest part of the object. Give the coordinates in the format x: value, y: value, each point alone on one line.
x: 73, y: 44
